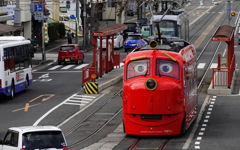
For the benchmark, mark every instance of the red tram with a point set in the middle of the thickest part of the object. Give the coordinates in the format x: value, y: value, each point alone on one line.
x: 160, y: 89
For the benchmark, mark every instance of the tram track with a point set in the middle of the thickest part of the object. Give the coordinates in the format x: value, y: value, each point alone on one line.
x: 100, y: 123
x: 156, y: 144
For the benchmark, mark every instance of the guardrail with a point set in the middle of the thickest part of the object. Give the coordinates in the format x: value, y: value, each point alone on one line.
x: 88, y: 74
x: 223, y: 76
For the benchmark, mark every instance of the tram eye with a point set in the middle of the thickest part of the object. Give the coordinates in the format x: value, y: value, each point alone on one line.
x: 140, y: 68
x: 151, y: 84
x: 166, y: 67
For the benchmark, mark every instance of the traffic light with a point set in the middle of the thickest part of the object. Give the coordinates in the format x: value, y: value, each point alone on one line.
x: 67, y: 4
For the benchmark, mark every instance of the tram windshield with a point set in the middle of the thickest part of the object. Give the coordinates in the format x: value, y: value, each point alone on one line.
x: 167, y: 28
x: 167, y: 68
x: 138, y: 68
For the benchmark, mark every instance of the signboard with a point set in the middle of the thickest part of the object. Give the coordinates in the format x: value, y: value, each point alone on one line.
x: 38, y: 7
x: 38, y: 15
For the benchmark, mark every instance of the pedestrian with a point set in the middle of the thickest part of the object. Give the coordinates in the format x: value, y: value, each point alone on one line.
x: 69, y: 36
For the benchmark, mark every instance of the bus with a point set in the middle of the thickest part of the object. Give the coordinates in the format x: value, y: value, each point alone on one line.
x: 15, y: 65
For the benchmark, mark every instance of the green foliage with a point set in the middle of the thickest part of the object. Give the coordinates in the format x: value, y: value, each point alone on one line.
x: 61, y: 30
x: 56, y: 31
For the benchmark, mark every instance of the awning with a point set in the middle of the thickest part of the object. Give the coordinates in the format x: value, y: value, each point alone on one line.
x: 8, y: 28
x: 111, y: 30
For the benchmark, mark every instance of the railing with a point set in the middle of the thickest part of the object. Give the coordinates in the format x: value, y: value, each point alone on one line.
x: 88, y: 73
x: 223, y: 76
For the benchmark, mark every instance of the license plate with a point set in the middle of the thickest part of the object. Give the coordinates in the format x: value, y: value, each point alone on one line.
x: 151, y: 117
x: 134, y: 44
x: 67, y: 59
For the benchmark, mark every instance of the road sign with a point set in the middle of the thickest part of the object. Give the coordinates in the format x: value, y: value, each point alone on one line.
x: 72, y: 17
x: 38, y: 15
x: 38, y: 7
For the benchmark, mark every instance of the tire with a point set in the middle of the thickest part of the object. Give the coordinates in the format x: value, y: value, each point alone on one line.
x: 27, y: 84
x: 77, y: 62
x: 12, y: 92
x: 183, y: 130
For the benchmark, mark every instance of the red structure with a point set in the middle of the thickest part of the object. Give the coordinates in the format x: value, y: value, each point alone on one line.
x: 223, y: 76
x: 103, y: 64
x: 159, y: 91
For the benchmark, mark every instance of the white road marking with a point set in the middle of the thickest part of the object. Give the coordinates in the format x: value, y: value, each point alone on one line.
x: 55, y: 67
x: 214, y: 65
x: 67, y: 67
x: 81, y: 66
x: 201, y: 65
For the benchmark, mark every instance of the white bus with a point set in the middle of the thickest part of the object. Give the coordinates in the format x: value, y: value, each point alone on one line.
x: 15, y: 65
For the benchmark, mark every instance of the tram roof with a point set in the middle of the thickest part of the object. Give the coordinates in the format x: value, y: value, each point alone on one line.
x: 178, y: 18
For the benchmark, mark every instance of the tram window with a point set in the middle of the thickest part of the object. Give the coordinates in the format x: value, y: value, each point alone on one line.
x: 138, y: 68
x: 167, y: 28
x: 167, y: 68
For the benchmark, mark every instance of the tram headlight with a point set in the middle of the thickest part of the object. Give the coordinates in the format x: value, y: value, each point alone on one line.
x: 151, y: 84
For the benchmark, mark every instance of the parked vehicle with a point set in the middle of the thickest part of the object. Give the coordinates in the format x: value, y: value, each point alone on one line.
x: 118, y: 41
x: 131, y: 41
x: 70, y: 53
x: 34, y: 138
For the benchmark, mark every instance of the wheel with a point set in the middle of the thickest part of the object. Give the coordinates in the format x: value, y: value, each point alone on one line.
x: 27, y: 84
x: 77, y: 62
x: 183, y: 130
x: 12, y: 91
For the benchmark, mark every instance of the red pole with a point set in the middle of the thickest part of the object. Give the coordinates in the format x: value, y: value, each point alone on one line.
x: 219, y: 61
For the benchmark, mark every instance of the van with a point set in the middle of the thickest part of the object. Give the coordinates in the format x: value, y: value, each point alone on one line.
x: 145, y: 31
x: 70, y: 53
x: 34, y: 138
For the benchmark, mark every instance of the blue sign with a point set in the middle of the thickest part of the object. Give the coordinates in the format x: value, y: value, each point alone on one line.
x: 38, y: 7
x: 72, y: 17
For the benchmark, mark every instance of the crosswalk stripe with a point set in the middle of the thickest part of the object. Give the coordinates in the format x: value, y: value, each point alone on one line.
x: 55, y: 67
x: 201, y: 65
x: 67, y: 67
x: 81, y: 66
x: 214, y: 65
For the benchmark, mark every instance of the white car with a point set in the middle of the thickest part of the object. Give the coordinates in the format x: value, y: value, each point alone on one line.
x: 118, y: 41
x: 34, y: 138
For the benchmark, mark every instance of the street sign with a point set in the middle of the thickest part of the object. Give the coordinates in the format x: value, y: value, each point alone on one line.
x: 38, y: 15
x: 38, y: 7
x: 72, y: 17
x: 32, y: 7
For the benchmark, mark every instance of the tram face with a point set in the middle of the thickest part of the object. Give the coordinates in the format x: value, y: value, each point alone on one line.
x: 153, y: 87
x: 168, y: 28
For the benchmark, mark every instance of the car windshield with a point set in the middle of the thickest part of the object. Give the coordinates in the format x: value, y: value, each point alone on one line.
x: 67, y: 48
x: 43, y: 140
x: 134, y: 37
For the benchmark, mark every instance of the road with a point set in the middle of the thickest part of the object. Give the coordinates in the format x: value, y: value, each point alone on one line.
x: 55, y: 87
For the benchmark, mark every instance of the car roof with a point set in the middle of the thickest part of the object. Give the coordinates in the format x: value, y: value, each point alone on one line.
x: 133, y: 34
x: 25, y: 129
x: 69, y: 45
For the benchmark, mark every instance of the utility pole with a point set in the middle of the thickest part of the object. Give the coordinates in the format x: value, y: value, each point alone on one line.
x: 43, y: 42
x: 92, y: 19
x: 17, y: 14
x: 229, y: 9
x: 77, y: 21
x: 85, y: 24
